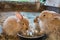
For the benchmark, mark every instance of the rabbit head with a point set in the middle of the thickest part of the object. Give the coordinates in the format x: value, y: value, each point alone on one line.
x: 36, y: 19
x: 23, y: 21
x: 46, y: 15
x: 25, y: 24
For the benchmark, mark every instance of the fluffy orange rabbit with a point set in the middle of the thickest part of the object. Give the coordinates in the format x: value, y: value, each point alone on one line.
x: 50, y: 24
x: 13, y: 24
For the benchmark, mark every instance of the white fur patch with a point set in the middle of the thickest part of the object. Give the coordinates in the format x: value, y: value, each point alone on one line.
x: 41, y: 25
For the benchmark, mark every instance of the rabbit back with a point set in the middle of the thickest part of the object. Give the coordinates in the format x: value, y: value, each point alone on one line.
x: 10, y: 25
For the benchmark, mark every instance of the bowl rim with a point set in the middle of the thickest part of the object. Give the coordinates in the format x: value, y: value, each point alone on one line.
x: 30, y: 37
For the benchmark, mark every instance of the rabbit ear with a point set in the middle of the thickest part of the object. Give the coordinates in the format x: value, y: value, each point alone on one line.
x: 19, y: 16
x: 56, y: 16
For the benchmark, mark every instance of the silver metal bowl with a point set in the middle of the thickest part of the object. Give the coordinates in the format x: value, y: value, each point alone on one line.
x: 42, y: 37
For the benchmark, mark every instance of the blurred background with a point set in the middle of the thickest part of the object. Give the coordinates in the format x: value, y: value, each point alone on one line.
x: 28, y: 8
x: 30, y: 5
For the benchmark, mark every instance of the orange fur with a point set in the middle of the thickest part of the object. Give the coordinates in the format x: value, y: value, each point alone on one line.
x: 51, y: 24
x: 12, y: 25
